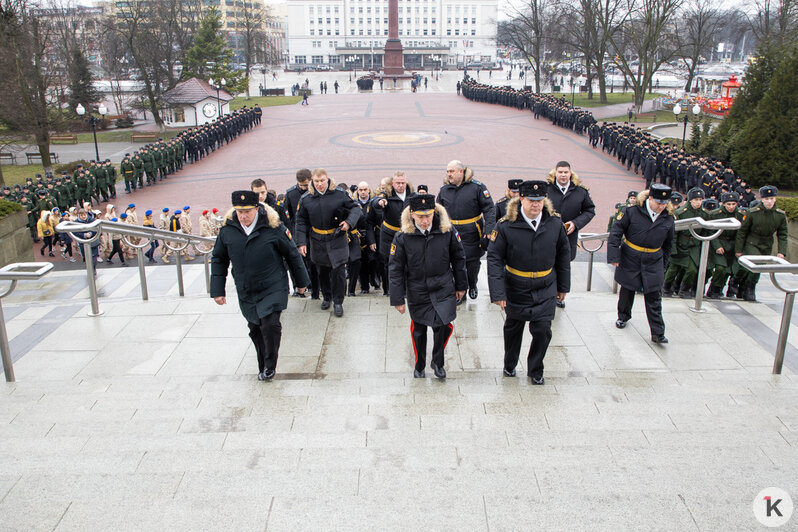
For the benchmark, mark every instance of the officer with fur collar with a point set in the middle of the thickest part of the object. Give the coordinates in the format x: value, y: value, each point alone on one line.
x: 529, y: 268
x: 324, y: 218
x: 259, y: 247
x: 427, y: 265
x: 639, y: 247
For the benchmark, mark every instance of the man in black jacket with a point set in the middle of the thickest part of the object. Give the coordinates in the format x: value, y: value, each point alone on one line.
x: 391, y: 203
x: 639, y: 247
x: 258, y: 245
x: 291, y: 204
x: 471, y: 210
x: 427, y: 265
x: 573, y: 203
x: 324, y: 218
x: 529, y: 268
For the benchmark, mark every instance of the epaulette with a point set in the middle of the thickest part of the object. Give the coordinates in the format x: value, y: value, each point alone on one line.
x: 557, y: 214
x: 781, y: 211
x: 754, y: 209
x: 680, y: 209
x: 583, y: 186
x: 477, y: 182
x: 505, y: 198
x: 295, y: 187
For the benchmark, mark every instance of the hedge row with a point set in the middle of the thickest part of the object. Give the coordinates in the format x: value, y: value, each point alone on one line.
x: 8, y: 207
x: 790, y: 206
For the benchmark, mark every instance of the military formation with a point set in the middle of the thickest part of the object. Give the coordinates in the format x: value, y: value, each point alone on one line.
x: 96, y: 183
x: 712, y: 190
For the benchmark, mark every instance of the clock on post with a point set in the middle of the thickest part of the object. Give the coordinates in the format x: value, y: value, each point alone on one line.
x: 209, y: 110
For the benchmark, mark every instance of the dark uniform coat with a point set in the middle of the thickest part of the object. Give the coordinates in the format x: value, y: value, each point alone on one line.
x: 469, y: 201
x: 428, y: 270
x: 391, y: 220
x: 258, y: 264
x: 575, y: 206
x: 641, y: 270
x: 527, y: 268
x: 688, y: 248
x: 316, y: 223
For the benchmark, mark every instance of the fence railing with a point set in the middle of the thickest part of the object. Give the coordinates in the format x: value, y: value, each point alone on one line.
x: 687, y: 224
x: 142, y: 236
x: 773, y: 266
x: 19, y: 271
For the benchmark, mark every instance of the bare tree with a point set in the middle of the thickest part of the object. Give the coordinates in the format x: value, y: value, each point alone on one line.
x: 156, y: 35
x: 26, y: 106
x: 113, y: 54
x: 529, y: 31
x: 253, y: 19
x: 775, y: 21
x: 700, y: 25
x: 645, y: 40
x: 582, y: 27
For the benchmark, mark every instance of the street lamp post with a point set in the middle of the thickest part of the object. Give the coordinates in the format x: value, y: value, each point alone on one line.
x: 103, y: 110
x: 222, y: 83
x: 572, y: 89
x: 677, y: 109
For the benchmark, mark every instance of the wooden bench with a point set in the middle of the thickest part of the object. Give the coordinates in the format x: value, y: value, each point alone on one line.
x: 32, y: 156
x: 273, y: 92
x: 640, y: 116
x: 143, y: 136
x: 71, y: 138
x: 10, y: 156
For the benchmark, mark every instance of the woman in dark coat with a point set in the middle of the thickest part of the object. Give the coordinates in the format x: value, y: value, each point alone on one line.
x: 427, y: 265
x: 259, y: 246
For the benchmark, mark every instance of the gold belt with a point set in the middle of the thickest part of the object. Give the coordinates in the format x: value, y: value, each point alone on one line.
x: 389, y: 226
x: 530, y: 275
x: 464, y: 222
x: 640, y: 248
x: 323, y: 231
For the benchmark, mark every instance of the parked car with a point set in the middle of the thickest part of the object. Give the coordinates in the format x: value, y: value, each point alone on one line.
x: 324, y: 68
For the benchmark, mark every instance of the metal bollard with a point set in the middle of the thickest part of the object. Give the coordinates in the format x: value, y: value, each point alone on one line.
x: 92, y: 280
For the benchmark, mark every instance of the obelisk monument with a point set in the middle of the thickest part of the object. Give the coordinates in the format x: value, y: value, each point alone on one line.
x: 394, y: 62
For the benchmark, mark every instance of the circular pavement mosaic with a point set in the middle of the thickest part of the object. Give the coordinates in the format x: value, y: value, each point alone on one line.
x: 396, y: 139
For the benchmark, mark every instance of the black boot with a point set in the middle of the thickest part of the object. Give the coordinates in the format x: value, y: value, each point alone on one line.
x: 731, y: 291
x: 684, y: 291
x: 750, y: 294
x: 713, y: 292
x: 667, y: 290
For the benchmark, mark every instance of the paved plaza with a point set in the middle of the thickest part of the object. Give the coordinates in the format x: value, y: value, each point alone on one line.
x: 150, y: 415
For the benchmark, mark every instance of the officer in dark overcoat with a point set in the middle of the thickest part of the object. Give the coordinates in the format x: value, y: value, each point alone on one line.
x: 325, y: 217
x: 639, y: 247
x: 512, y: 192
x: 427, y: 266
x: 529, y: 268
x: 259, y: 246
x: 391, y: 203
x: 471, y: 210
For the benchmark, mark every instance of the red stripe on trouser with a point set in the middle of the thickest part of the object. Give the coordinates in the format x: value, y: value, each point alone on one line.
x: 413, y: 340
x: 451, y: 330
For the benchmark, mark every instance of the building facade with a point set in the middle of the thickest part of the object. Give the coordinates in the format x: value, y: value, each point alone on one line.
x: 351, y: 34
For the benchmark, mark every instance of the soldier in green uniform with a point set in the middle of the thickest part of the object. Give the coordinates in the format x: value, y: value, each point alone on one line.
x: 170, y: 158
x: 82, y: 181
x: 722, y: 255
x: 161, y: 161
x: 684, y: 263
x: 138, y: 167
x: 33, y: 216
x: 128, y: 173
x: 755, y: 237
x: 102, y: 182
x: 110, y: 178
x: 149, y: 169
x: 71, y: 188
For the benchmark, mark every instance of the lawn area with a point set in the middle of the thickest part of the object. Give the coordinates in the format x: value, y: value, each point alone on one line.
x: 264, y: 101
x: 15, y: 174
x: 663, y: 115
x: 580, y: 99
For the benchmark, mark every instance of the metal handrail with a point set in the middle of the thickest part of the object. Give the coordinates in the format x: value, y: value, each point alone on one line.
x: 686, y: 224
x: 19, y: 271
x: 177, y: 242
x: 773, y: 265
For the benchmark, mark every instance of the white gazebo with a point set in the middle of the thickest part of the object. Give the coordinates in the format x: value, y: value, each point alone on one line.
x: 195, y: 102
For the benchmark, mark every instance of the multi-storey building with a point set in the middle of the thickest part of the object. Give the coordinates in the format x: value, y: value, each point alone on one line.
x: 352, y: 33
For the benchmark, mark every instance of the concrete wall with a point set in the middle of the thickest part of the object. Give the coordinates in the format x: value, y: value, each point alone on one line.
x: 15, y: 241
